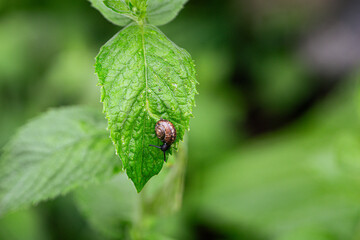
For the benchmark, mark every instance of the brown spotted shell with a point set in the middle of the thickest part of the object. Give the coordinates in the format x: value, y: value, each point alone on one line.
x: 165, y: 131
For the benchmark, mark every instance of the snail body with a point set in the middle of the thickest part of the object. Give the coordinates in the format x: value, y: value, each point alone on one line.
x: 166, y: 132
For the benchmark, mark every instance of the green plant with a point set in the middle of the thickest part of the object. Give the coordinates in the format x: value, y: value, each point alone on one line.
x: 143, y: 77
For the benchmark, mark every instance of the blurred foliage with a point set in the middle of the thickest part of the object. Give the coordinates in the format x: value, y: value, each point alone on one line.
x: 117, y: 212
x: 273, y: 149
x: 32, y: 226
x: 132, y: 217
x: 297, y: 184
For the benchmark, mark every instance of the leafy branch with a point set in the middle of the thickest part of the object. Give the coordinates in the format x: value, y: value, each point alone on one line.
x: 144, y: 77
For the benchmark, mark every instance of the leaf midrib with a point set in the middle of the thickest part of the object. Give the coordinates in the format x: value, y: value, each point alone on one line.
x: 146, y: 95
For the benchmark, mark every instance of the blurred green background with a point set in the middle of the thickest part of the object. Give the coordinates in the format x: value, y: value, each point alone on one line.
x: 274, y: 148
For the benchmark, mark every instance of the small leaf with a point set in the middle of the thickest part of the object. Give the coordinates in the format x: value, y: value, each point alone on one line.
x: 160, y: 12
x: 121, y: 12
x: 144, y: 77
x: 53, y: 154
x: 133, y: 9
x: 114, y: 17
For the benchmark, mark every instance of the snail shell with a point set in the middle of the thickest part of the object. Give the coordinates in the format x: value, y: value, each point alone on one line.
x: 165, y: 131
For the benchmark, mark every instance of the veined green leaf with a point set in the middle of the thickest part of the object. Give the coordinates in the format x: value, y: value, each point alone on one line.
x: 132, y: 9
x: 111, y: 15
x: 121, y: 12
x: 160, y: 12
x: 144, y: 77
x: 53, y: 154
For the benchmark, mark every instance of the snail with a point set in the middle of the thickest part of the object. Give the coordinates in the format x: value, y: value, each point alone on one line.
x: 166, y: 132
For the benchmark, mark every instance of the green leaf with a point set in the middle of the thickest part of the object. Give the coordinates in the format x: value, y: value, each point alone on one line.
x: 53, y: 154
x: 160, y: 12
x: 121, y: 12
x: 110, y: 14
x: 144, y: 77
x: 132, y: 9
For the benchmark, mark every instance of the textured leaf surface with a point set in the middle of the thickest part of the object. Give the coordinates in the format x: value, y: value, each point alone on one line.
x: 53, y: 154
x: 160, y: 12
x: 132, y: 9
x: 111, y: 15
x: 144, y: 77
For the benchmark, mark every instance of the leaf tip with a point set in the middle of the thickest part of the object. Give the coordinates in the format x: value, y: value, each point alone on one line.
x: 139, y: 185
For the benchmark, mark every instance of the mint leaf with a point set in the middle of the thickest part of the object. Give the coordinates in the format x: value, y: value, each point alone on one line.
x: 54, y: 154
x: 160, y: 12
x: 144, y: 77
x: 121, y: 12
x: 111, y: 15
x: 133, y: 9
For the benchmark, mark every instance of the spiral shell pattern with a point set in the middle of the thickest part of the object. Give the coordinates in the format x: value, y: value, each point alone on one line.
x: 165, y: 131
